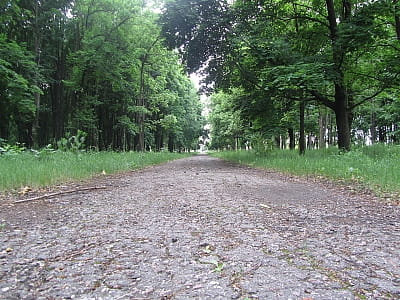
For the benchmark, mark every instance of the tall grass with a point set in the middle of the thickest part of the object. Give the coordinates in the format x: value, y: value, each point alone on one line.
x: 26, y: 169
x: 376, y: 166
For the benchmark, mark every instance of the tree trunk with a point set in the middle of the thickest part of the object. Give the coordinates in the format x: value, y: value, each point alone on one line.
x: 35, y: 126
x: 341, y: 107
x: 57, y: 93
x: 302, y: 139
x: 397, y: 18
x: 171, y: 142
x: 140, y: 117
x: 159, y: 138
x: 322, y: 130
x: 373, y: 128
x: 37, y: 45
x: 342, y: 118
x: 395, y: 138
x: 382, y: 134
x: 292, y: 142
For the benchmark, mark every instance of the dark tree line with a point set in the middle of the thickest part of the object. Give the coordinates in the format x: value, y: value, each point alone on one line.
x: 100, y: 67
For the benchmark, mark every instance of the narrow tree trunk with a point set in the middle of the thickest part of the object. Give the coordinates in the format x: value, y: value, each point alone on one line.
x: 373, y: 128
x: 141, y: 103
x: 395, y: 137
x: 322, y: 130
x: 382, y: 134
x: 37, y: 45
x: 171, y: 142
x: 159, y: 137
x: 310, y: 143
x: 302, y: 139
x: 283, y: 142
x: 35, y: 126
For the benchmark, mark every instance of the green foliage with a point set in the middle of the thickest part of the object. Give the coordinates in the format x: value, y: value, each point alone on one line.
x: 6, y: 149
x: 260, y: 145
x: 102, y: 67
x: 336, y: 54
x: 17, y: 88
x: 72, y: 143
x: 196, y: 28
x: 94, y: 66
x: 226, y: 123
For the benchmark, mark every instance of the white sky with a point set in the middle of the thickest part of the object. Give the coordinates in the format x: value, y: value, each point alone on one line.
x: 196, y: 78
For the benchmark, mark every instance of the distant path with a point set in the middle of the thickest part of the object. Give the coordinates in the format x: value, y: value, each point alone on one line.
x: 201, y: 228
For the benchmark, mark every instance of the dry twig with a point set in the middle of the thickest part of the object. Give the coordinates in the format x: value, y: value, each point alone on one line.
x: 60, y: 193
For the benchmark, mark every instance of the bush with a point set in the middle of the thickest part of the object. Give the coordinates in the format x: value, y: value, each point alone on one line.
x: 73, y: 143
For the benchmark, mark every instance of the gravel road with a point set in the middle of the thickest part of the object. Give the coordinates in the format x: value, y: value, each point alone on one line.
x: 201, y: 228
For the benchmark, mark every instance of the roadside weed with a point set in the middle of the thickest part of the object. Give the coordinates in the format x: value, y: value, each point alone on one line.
x: 219, y: 266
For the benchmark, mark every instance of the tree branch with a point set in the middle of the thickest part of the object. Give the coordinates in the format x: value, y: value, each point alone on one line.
x: 323, y: 99
x: 247, y: 77
x: 381, y: 90
x: 60, y: 193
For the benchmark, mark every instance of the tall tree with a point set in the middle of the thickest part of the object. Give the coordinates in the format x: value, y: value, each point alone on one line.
x: 292, y: 49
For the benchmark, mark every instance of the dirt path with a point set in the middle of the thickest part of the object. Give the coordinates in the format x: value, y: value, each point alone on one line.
x: 201, y: 228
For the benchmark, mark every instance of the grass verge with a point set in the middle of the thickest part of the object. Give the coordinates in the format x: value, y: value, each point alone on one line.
x: 376, y: 167
x: 26, y: 169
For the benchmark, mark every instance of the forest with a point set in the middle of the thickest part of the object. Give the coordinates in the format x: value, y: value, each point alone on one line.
x: 96, y: 71
x: 278, y: 73
x: 305, y: 73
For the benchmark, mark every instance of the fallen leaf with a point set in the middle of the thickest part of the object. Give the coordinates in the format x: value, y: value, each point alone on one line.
x: 265, y: 206
x: 24, y: 190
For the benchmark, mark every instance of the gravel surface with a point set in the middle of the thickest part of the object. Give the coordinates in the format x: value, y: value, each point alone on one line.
x: 201, y: 228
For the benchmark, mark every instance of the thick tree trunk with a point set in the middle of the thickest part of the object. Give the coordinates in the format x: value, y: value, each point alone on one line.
x: 341, y: 107
x: 342, y: 118
x: 292, y: 142
x: 57, y: 94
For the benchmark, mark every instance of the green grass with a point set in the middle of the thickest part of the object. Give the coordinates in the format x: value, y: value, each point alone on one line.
x: 26, y: 169
x: 377, y: 167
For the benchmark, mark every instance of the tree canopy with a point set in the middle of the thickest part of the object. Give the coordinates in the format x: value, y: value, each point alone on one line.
x: 330, y: 59
x: 99, y: 67
x: 311, y: 72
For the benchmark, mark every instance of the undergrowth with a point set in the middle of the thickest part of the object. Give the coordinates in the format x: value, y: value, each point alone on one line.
x: 376, y: 167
